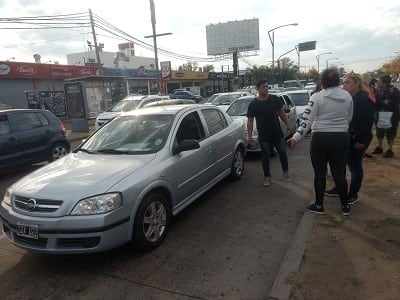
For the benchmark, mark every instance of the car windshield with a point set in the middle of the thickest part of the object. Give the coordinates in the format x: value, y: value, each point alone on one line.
x: 141, y: 134
x: 224, y: 99
x: 300, y: 99
x: 239, y: 107
x: 212, y: 97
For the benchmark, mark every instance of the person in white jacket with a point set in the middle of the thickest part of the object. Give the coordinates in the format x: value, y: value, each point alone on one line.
x: 328, y: 114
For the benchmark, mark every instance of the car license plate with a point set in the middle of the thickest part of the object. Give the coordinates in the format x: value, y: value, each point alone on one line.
x: 30, y: 231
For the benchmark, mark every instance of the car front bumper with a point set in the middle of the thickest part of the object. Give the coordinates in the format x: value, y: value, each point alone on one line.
x: 67, y: 234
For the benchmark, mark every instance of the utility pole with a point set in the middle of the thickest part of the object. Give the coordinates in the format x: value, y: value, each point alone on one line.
x: 96, y: 47
x: 154, y: 36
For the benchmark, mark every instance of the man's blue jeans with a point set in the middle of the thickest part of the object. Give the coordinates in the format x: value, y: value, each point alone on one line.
x: 266, y: 150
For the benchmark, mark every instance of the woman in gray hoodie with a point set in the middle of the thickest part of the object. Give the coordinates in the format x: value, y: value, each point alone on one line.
x: 328, y: 114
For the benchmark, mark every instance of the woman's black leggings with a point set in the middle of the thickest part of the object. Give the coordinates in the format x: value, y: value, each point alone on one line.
x: 329, y: 147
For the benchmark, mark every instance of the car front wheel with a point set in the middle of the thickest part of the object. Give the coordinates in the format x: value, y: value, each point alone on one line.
x: 57, y: 151
x: 237, y: 167
x: 151, y: 222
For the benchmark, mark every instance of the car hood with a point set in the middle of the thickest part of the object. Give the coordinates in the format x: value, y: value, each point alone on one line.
x: 79, y: 175
x: 107, y: 115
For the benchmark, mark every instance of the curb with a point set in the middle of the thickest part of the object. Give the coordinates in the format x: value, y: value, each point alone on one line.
x: 281, y: 288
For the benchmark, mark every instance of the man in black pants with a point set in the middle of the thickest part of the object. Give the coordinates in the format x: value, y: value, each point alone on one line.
x: 267, y: 109
x: 328, y: 114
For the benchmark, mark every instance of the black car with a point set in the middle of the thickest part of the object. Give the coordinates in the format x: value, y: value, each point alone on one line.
x: 185, y: 95
x: 29, y: 136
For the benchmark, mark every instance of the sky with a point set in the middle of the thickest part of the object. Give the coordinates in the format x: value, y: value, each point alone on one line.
x: 360, y: 36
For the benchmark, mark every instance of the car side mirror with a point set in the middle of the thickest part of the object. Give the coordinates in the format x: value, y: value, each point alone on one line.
x: 186, y: 145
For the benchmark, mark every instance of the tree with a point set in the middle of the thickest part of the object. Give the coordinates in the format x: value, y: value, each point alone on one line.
x: 255, y: 74
x: 190, y: 66
x: 287, y: 70
x: 208, y: 68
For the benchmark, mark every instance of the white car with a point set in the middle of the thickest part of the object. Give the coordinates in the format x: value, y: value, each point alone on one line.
x: 223, y: 100
x: 300, y: 98
x: 125, y: 182
x: 128, y: 103
x: 238, y: 110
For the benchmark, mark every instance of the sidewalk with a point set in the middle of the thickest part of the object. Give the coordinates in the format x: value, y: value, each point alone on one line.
x: 355, y: 257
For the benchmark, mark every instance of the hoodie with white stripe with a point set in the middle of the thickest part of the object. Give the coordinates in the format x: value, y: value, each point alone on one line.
x: 329, y: 110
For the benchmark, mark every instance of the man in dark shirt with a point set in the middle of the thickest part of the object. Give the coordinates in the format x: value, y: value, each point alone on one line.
x: 265, y: 109
x: 388, y: 99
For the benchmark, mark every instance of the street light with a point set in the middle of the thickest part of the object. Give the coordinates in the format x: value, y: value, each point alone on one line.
x: 319, y: 56
x: 327, y: 61
x: 272, y: 39
x: 154, y: 36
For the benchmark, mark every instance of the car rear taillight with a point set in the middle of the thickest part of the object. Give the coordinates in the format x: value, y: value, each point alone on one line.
x: 62, y: 128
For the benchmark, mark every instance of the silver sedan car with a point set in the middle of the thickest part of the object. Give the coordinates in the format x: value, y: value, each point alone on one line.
x: 125, y: 182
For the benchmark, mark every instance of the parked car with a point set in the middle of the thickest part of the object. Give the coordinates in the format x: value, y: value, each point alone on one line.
x: 311, y: 86
x: 238, y: 110
x: 300, y: 98
x: 223, y: 100
x: 170, y: 102
x: 5, y: 106
x: 185, y: 95
x: 125, y: 182
x: 128, y: 103
x: 29, y: 136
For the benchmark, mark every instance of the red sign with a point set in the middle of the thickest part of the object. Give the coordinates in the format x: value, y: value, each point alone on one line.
x: 44, y: 71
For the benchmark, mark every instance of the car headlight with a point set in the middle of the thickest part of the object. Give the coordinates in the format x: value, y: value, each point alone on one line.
x: 97, y: 204
x: 7, y: 197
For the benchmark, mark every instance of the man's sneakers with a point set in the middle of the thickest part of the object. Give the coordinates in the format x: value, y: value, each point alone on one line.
x: 388, y: 153
x: 346, y: 209
x: 332, y: 193
x: 315, y: 208
x: 267, y: 181
x: 378, y: 150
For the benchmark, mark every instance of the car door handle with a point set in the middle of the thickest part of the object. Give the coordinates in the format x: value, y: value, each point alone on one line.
x: 230, y: 136
x: 13, y: 138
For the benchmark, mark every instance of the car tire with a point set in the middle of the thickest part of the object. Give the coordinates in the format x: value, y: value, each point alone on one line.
x: 237, y: 167
x: 57, y: 151
x: 151, y: 222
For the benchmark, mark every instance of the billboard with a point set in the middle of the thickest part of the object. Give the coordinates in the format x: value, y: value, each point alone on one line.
x: 307, y: 46
x: 233, y: 36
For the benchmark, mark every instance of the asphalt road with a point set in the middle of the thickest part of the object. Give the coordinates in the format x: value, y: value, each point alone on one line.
x: 229, y: 244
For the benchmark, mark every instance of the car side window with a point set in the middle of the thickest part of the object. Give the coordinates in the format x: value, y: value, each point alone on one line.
x: 215, y: 120
x: 190, y: 128
x: 288, y: 101
x: 4, y: 125
x: 27, y: 120
x: 282, y: 101
x: 43, y: 119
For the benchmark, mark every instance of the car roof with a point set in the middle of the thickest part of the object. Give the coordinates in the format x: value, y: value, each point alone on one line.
x: 166, y: 109
x: 24, y: 110
x: 304, y: 91
x: 133, y: 97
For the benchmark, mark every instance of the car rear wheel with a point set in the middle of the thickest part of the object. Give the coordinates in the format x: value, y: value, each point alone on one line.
x: 151, y: 222
x: 57, y: 151
x: 237, y: 165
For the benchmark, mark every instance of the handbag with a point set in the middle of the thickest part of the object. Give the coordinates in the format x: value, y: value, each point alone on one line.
x: 384, y: 120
